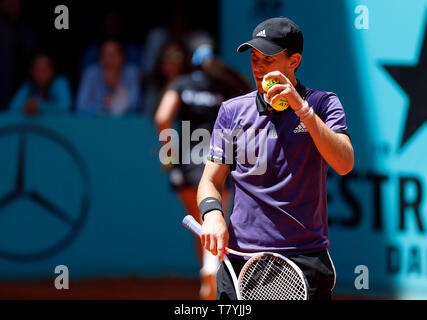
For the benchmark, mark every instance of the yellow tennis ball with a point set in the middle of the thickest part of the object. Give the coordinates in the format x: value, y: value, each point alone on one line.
x: 267, y: 84
x: 280, y: 104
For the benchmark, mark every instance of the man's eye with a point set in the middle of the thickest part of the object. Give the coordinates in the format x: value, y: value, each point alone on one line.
x: 268, y: 58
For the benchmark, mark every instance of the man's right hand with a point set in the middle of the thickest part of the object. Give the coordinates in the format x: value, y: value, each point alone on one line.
x: 214, y: 234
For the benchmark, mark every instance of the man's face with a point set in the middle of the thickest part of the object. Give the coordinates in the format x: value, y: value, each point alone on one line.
x: 263, y: 64
x: 42, y: 71
x: 111, y: 55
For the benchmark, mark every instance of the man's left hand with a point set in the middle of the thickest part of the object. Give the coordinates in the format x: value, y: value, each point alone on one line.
x: 284, y: 89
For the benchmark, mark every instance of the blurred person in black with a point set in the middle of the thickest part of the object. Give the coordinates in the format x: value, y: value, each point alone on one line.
x: 17, y: 42
x: 196, y: 97
x: 158, y: 37
x: 44, y: 92
x: 174, y: 28
x: 173, y: 63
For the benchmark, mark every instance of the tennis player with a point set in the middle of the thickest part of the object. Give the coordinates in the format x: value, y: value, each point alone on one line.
x: 281, y: 209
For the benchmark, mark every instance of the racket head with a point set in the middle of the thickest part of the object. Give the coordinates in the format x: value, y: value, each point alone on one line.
x: 271, y: 276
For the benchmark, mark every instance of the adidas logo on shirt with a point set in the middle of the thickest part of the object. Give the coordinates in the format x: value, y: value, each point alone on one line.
x: 261, y: 34
x: 301, y: 128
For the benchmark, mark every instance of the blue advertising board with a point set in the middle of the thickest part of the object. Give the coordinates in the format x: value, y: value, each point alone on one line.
x: 89, y: 194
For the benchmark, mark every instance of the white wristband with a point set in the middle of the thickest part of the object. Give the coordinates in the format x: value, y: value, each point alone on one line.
x: 308, y: 115
x: 305, y: 108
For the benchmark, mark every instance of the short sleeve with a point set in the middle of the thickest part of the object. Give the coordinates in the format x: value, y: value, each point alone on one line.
x: 221, y: 146
x: 332, y: 113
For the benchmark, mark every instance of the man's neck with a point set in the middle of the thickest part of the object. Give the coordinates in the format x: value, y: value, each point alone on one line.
x: 293, y: 80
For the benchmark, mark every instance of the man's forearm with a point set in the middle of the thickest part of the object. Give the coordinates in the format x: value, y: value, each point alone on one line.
x: 335, y: 148
x: 212, y: 183
x: 214, y: 233
x: 208, y: 189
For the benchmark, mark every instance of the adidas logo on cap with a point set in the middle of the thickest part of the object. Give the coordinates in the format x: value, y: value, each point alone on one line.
x: 261, y: 34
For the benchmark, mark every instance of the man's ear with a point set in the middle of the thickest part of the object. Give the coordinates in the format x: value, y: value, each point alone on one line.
x: 295, y: 60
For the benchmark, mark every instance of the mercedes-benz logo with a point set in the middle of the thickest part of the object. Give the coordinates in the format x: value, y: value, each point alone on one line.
x: 65, y: 215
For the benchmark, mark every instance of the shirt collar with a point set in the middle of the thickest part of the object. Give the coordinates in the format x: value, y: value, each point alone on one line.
x: 263, y: 106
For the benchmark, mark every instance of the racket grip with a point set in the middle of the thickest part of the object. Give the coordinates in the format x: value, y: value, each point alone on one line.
x: 191, y: 223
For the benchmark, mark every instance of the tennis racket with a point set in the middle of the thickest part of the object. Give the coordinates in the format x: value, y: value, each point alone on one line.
x: 265, y: 276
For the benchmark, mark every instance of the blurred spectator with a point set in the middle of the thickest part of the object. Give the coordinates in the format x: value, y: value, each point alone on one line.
x: 176, y: 30
x: 44, y: 92
x: 158, y: 37
x: 110, y: 87
x: 17, y: 41
x: 112, y: 28
x: 172, y: 63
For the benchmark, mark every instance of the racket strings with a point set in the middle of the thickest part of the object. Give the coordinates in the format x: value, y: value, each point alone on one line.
x: 271, y: 278
x: 274, y: 283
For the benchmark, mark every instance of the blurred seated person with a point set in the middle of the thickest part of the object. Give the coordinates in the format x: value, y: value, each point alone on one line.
x: 113, y: 27
x: 173, y: 63
x: 110, y: 87
x: 44, y: 92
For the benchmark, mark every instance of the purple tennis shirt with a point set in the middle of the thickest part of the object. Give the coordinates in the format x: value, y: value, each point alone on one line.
x: 278, y: 174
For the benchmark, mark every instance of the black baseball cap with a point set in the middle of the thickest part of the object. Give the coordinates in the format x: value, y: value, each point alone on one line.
x: 275, y: 35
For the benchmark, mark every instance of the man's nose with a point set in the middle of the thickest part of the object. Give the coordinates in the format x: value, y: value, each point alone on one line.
x: 259, y: 69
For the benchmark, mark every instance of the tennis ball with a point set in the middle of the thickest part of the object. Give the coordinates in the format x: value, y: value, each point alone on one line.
x: 267, y: 84
x: 280, y: 104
